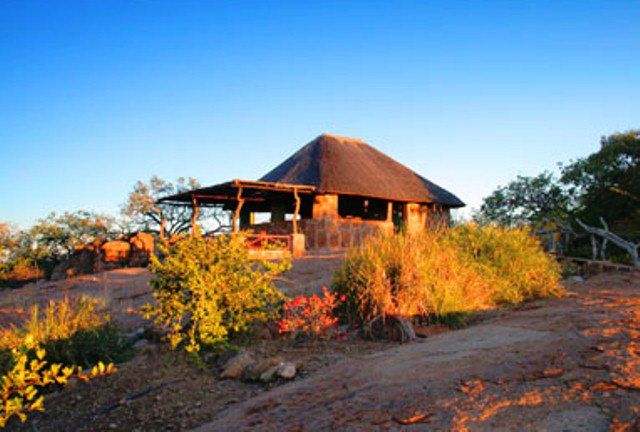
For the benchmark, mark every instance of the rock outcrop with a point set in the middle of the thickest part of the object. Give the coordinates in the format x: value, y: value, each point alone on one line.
x: 142, y: 246
x: 100, y: 256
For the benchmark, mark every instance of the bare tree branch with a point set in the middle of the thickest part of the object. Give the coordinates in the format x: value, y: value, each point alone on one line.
x: 631, y: 248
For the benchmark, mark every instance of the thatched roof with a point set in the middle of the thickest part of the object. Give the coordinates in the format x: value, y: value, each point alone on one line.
x: 331, y: 164
x: 349, y: 166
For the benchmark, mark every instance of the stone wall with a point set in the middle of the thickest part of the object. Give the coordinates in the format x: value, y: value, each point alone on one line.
x: 328, y: 232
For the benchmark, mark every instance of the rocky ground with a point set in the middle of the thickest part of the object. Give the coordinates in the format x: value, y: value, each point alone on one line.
x: 559, y: 364
x: 123, y: 291
x: 161, y: 390
x: 570, y: 364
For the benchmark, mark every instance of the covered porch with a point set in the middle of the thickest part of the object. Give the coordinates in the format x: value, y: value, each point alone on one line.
x: 247, y: 201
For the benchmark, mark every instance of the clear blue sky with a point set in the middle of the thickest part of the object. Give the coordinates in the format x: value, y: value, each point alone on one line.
x: 95, y: 95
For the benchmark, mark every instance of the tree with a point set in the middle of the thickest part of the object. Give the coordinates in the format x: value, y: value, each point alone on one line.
x: 607, y: 184
x: 55, y: 237
x: 526, y: 201
x: 146, y: 214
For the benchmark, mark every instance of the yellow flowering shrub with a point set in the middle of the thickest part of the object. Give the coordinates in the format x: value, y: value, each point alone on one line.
x: 28, y: 372
x: 49, y: 348
x: 210, y: 289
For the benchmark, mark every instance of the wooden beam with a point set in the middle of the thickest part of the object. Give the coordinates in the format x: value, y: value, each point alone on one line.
x: 296, y: 210
x: 236, y: 213
x: 195, y: 229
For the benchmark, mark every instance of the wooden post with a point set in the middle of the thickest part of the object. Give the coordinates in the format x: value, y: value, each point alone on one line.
x: 236, y: 213
x: 296, y: 210
x: 163, y: 226
x: 195, y: 230
x: 390, y: 211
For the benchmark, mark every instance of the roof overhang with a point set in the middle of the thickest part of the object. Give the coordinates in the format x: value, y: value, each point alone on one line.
x: 247, y: 190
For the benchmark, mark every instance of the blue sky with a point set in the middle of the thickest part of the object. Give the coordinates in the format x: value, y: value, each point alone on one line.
x: 95, y: 95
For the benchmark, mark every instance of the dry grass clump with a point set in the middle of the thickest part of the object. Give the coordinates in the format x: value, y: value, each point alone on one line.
x: 511, y: 259
x: 72, y: 332
x: 49, y: 349
x: 59, y: 320
x: 443, y: 274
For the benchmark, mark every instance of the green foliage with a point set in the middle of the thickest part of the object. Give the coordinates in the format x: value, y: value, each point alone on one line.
x: 526, y: 201
x: 607, y: 184
x: 146, y: 214
x: 209, y: 289
x: 72, y: 331
x: 26, y: 255
x: 49, y: 349
x: 511, y: 260
x: 440, y: 275
x: 56, y: 236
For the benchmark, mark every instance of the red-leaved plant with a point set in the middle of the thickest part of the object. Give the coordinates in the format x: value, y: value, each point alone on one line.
x: 312, y: 316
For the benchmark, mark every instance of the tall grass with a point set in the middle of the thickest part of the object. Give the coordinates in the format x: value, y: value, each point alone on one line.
x: 50, y: 348
x: 71, y: 331
x: 512, y: 260
x: 440, y: 274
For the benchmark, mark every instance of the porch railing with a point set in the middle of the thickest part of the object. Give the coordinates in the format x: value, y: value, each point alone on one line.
x: 268, y: 241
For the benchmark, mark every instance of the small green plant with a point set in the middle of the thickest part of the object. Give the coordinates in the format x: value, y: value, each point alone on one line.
x: 29, y: 373
x: 208, y: 290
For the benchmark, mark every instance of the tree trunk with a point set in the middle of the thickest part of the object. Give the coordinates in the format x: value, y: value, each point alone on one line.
x: 631, y: 248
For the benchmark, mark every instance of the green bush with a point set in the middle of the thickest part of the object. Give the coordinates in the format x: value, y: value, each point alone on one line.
x: 440, y: 275
x: 511, y: 259
x: 208, y: 290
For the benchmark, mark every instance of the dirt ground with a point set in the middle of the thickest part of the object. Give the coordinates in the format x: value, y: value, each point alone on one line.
x: 570, y: 364
x: 124, y: 290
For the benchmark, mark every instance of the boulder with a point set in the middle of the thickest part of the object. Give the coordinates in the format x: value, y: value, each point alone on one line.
x: 142, y: 247
x: 269, y: 375
x: 257, y: 369
x: 115, y: 252
x: 81, y: 261
x: 236, y: 366
x: 286, y: 370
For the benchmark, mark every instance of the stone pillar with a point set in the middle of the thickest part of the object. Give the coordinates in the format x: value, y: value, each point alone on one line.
x: 325, y: 205
x: 414, y: 217
x: 297, y: 245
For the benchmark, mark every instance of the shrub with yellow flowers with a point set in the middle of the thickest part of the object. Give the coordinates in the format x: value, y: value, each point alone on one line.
x: 29, y: 372
x: 208, y: 290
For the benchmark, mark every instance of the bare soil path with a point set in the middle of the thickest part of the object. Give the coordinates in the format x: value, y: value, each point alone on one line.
x: 570, y: 364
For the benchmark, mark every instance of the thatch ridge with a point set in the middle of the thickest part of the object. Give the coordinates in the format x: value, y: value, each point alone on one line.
x: 350, y: 166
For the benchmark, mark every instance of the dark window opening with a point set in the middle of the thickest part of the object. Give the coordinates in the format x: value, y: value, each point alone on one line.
x: 364, y: 208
